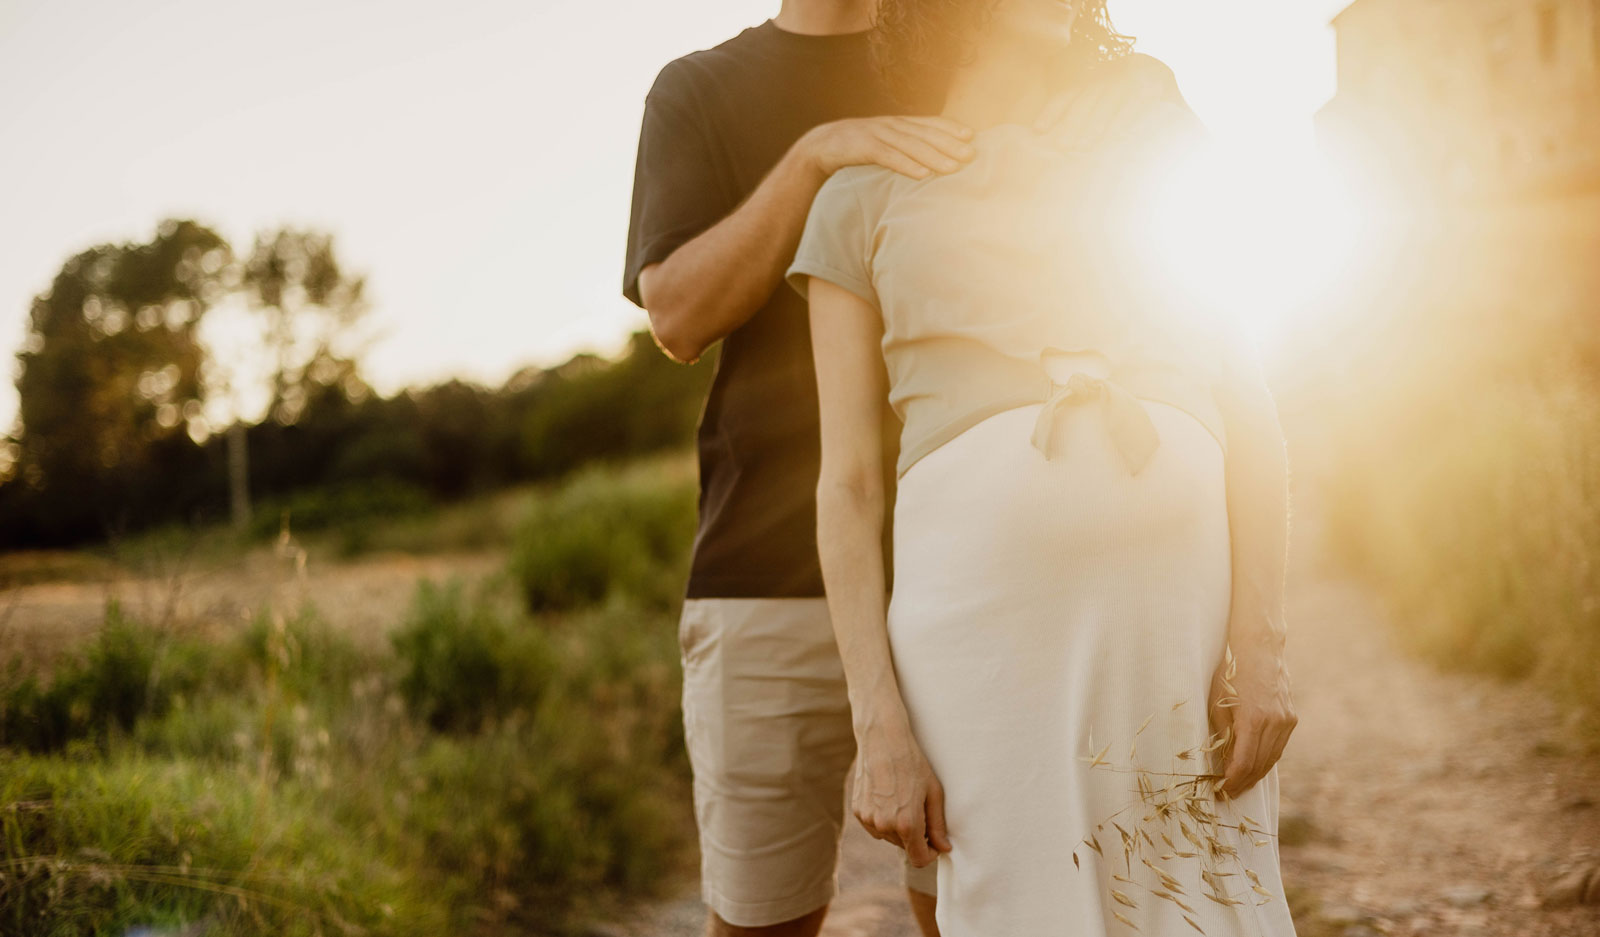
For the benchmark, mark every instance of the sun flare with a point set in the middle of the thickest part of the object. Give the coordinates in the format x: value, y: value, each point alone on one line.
x: 1252, y: 228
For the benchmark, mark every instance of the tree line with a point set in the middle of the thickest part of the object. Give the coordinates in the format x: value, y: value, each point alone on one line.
x: 128, y: 418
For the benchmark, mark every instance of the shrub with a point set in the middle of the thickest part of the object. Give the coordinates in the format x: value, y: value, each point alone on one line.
x: 129, y: 671
x: 307, y: 656
x: 462, y: 663
x: 606, y: 533
x: 575, y: 795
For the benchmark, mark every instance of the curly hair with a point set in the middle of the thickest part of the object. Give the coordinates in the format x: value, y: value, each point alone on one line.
x: 918, y: 44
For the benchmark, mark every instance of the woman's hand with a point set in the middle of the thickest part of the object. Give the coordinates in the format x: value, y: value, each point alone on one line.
x: 1260, y: 712
x: 896, y: 795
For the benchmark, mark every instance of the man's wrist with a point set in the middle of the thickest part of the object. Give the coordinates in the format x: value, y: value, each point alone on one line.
x: 804, y: 159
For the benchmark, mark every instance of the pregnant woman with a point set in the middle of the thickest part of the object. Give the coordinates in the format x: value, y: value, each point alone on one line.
x: 1075, y: 698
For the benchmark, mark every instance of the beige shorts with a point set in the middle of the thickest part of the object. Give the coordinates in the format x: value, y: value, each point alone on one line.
x: 767, y: 724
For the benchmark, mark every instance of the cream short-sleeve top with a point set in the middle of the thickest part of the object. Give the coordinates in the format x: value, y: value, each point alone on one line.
x: 1030, y: 252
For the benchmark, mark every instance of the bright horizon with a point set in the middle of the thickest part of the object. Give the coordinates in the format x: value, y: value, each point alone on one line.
x: 474, y: 162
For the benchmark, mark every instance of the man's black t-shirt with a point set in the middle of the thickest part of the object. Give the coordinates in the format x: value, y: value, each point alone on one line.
x: 715, y: 122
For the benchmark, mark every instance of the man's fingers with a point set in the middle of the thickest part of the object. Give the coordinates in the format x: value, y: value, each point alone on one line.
x: 889, y: 157
x: 952, y: 128
x: 919, y: 149
x: 954, y: 147
x: 937, y: 834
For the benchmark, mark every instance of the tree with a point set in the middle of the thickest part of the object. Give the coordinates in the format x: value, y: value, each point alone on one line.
x: 311, y: 310
x: 111, y: 365
x: 307, y: 310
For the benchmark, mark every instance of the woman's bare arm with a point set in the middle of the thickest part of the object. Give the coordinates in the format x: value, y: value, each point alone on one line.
x: 845, y: 332
x: 1258, y: 518
x: 896, y: 797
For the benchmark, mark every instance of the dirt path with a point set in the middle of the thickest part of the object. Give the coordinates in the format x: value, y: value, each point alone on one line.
x: 1418, y: 803
x: 1436, y: 803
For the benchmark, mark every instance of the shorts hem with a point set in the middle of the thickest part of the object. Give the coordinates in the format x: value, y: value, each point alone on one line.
x: 768, y: 913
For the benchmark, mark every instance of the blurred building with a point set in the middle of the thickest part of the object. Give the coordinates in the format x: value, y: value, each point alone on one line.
x: 1468, y: 97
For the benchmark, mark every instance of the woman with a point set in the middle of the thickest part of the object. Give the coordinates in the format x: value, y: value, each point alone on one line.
x: 1089, y: 517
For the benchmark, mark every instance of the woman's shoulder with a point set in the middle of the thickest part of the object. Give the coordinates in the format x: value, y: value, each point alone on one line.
x: 1146, y: 90
x: 862, y: 178
x: 1145, y: 71
x: 1156, y: 120
x: 862, y: 187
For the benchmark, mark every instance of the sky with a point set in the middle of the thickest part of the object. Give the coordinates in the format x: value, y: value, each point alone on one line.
x: 474, y: 159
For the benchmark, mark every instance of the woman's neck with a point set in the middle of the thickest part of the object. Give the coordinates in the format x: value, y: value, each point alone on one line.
x: 1004, y: 84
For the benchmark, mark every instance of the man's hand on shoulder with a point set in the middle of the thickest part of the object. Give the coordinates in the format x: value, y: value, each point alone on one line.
x: 914, y: 146
x: 1114, y: 98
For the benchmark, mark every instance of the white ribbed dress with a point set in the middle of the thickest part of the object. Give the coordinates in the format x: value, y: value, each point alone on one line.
x: 1037, y: 603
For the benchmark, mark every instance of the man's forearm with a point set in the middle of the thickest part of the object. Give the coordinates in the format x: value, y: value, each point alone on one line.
x: 714, y: 283
x: 1258, y: 516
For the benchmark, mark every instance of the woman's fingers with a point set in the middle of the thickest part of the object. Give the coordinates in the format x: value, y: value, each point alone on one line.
x: 1282, y: 729
x: 884, y: 829
x: 877, y: 824
x: 938, y: 836
x: 913, y: 834
x: 908, y: 812
x: 1240, y: 771
x: 1258, y: 744
x: 1256, y: 687
x: 897, y: 797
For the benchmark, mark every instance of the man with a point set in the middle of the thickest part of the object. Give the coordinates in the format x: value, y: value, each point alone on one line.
x: 735, y: 142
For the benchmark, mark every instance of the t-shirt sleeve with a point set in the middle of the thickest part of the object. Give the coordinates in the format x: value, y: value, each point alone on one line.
x: 835, y: 244
x: 677, y: 193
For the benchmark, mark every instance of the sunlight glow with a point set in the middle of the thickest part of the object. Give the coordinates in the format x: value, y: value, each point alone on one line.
x: 1253, y: 229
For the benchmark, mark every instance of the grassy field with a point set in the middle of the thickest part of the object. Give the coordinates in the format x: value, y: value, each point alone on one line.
x: 508, y: 759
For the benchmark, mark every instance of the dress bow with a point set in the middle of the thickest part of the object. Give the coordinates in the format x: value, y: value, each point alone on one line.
x: 1130, y: 426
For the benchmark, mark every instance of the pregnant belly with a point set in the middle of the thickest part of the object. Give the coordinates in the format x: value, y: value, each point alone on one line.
x: 988, y: 507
